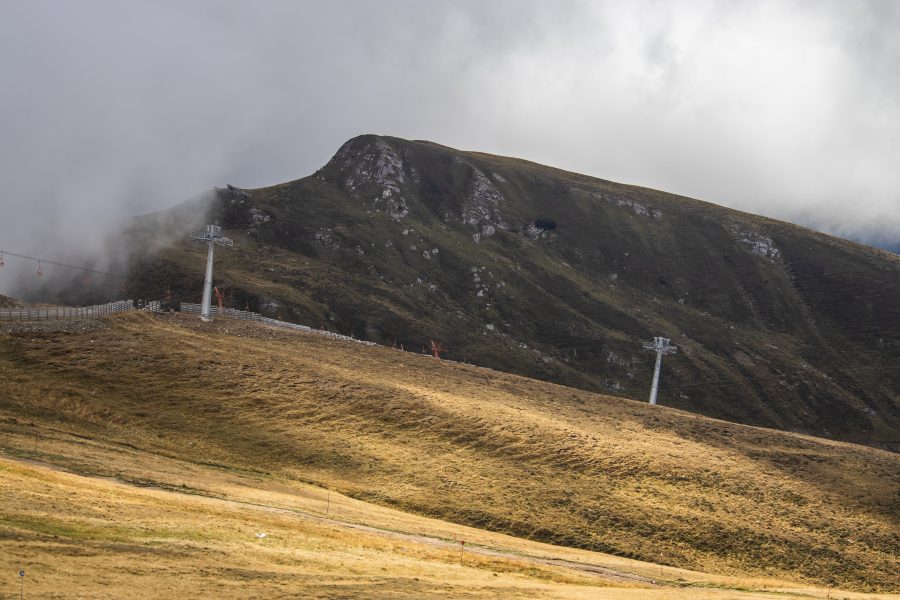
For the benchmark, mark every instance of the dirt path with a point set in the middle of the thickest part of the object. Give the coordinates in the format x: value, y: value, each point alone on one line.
x: 581, y: 567
x: 587, y: 568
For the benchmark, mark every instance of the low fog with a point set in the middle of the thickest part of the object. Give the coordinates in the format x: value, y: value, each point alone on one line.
x: 109, y: 109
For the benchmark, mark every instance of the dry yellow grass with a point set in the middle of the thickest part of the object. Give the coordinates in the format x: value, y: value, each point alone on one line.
x: 274, y: 409
x: 102, y: 537
x: 78, y: 536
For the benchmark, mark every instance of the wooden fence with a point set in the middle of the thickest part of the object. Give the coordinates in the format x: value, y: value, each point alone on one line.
x: 54, y: 313
x: 215, y: 311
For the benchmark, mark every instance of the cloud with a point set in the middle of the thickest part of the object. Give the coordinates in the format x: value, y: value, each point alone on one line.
x: 112, y: 108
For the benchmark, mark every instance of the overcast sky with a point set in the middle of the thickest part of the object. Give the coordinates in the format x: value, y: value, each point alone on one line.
x: 788, y: 109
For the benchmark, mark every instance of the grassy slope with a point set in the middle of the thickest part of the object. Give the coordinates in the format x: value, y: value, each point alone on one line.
x: 147, y: 526
x: 807, y: 341
x: 199, y: 539
x: 470, y: 445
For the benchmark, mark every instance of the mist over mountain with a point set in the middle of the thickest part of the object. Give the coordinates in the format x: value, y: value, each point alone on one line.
x: 789, y: 110
x: 890, y: 247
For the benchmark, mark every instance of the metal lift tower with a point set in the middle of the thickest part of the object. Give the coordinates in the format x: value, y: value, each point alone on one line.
x: 661, y: 346
x: 213, y: 237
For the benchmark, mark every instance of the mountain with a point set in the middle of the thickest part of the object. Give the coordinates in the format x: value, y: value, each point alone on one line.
x: 558, y: 276
x: 197, y: 436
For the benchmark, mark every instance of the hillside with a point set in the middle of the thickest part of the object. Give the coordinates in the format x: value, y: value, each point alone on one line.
x: 159, y: 537
x: 561, y: 277
x: 452, y: 441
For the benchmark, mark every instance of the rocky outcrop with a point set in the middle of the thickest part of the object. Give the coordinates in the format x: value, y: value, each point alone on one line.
x: 760, y: 245
x: 481, y: 210
x: 373, y: 171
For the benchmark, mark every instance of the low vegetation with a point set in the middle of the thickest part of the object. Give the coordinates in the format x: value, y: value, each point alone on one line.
x: 447, y: 440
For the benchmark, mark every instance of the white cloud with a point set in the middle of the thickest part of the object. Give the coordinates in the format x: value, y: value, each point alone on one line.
x: 784, y: 108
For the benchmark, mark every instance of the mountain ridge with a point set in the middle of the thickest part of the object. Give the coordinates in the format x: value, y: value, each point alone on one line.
x: 891, y: 249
